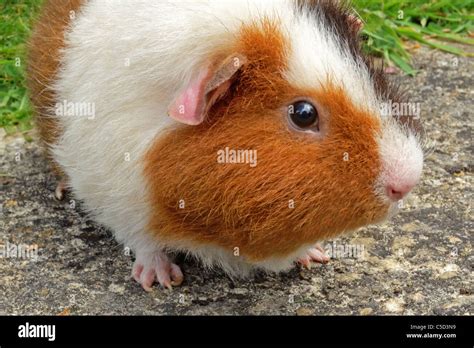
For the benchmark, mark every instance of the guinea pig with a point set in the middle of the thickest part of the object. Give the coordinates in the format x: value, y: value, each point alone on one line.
x: 239, y: 132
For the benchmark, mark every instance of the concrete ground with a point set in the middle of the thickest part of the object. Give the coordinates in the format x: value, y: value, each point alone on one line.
x: 420, y: 262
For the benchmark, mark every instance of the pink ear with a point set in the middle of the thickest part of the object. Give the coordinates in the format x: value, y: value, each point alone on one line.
x: 192, y: 104
x: 188, y: 108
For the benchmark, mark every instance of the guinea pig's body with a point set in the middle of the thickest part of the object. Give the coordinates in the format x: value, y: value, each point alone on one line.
x: 136, y: 101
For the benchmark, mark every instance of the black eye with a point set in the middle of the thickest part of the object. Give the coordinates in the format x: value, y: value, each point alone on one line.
x: 303, y: 115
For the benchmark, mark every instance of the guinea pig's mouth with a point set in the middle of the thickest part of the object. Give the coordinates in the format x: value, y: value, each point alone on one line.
x: 388, y: 208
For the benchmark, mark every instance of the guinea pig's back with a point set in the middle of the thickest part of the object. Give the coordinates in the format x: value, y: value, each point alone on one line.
x: 43, y: 62
x: 97, y: 106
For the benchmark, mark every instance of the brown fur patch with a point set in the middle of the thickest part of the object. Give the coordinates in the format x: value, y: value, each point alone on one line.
x: 43, y: 62
x: 234, y: 205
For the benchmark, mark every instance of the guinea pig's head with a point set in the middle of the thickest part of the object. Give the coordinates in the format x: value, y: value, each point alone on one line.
x: 285, y: 140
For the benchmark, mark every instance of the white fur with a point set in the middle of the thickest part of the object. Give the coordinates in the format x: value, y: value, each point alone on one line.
x: 316, y: 57
x: 235, y: 264
x: 401, y: 155
x: 165, y: 43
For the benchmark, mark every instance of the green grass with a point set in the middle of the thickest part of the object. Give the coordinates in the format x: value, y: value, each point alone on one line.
x: 15, y: 22
x: 390, y: 27
x: 434, y: 23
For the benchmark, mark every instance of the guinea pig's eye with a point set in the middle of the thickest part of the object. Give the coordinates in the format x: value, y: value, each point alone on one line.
x: 303, y: 115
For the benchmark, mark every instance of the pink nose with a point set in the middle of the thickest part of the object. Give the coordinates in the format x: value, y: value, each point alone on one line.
x: 397, y: 192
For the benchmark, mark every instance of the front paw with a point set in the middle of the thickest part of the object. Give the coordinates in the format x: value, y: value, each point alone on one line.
x: 314, y: 254
x: 157, y: 266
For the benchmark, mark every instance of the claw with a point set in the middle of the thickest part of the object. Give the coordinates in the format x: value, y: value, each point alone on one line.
x: 305, y: 262
x: 60, y: 190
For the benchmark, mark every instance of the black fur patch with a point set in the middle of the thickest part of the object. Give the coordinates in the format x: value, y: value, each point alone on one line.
x: 338, y: 16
